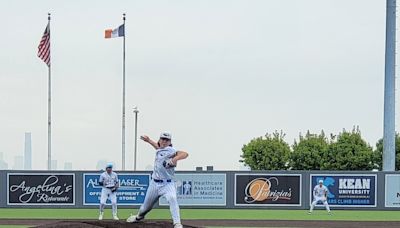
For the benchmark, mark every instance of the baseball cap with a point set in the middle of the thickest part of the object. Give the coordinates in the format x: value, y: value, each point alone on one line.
x: 109, y: 166
x: 321, y: 181
x: 165, y: 135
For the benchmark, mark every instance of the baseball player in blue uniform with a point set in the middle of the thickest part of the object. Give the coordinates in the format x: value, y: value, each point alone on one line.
x: 162, y: 179
x: 320, y: 193
x: 109, y: 182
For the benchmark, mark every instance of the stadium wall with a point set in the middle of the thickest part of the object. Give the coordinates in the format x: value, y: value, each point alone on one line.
x: 205, y: 189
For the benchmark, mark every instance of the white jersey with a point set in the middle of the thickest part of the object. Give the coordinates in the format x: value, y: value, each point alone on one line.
x: 109, y: 180
x: 320, y: 191
x: 162, y: 188
x: 160, y: 172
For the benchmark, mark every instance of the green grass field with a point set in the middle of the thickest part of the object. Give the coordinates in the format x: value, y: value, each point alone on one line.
x: 13, y: 226
x: 240, y: 214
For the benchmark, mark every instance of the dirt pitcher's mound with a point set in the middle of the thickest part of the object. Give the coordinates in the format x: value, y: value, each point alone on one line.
x: 110, y: 224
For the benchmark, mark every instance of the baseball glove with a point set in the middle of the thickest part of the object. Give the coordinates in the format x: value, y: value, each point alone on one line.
x: 114, y: 189
x: 169, y: 164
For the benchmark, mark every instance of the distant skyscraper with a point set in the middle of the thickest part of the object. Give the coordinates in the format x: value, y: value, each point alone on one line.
x: 68, y: 166
x: 3, y: 164
x: 28, y: 151
x: 54, y: 164
x: 18, y: 162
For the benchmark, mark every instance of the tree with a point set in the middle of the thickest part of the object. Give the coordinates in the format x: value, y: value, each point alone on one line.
x: 379, y: 152
x: 350, y: 152
x: 266, y: 153
x: 309, y: 153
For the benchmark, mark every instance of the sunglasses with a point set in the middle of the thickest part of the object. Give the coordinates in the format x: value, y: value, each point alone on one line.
x: 164, y: 139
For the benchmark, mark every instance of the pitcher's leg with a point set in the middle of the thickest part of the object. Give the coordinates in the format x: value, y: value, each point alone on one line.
x: 169, y: 192
x: 151, y: 198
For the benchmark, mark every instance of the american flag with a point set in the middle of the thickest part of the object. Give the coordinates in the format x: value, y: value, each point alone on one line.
x: 44, y: 46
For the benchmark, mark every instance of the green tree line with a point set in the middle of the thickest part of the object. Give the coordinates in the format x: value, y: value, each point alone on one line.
x: 345, y: 151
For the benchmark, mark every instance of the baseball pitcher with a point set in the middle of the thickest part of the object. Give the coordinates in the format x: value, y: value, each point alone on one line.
x: 162, y: 183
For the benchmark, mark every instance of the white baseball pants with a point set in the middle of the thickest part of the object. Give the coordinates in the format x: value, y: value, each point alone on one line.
x: 105, y: 194
x: 157, y: 190
x: 317, y: 199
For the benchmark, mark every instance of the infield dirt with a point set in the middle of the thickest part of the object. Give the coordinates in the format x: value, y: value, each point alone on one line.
x: 41, y: 223
x: 109, y: 224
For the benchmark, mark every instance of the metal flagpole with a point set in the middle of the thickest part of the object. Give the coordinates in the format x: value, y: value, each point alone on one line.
x: 136, y: 111
x: 123, y: 102
x: 389, y: 134
x: 49, y: 109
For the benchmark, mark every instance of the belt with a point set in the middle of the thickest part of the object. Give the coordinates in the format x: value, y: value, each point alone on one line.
x: 161, y: 181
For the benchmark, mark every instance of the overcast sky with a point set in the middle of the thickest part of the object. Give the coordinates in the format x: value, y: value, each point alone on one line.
x: 215, y: 73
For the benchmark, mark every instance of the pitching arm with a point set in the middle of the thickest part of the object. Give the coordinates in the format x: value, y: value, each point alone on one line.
x: 149, y: 141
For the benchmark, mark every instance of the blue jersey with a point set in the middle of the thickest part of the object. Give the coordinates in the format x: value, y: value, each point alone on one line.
x: 160, y: 172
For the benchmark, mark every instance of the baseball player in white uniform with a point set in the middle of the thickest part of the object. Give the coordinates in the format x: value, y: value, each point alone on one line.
x: 109, y: 182
x: 320, y: 193
x: 162, y: 179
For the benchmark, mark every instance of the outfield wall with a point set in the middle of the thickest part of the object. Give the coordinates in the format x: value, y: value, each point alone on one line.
x: 206, y: 189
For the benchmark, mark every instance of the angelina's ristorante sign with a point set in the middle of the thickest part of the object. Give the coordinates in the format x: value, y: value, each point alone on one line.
x: 267, y: 190
x: 40, y: 189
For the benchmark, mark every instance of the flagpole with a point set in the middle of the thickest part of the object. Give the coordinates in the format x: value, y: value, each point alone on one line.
x: 136, y: 111
x: 123, y: 100
x: 49, y: 111
x: 389, y: 104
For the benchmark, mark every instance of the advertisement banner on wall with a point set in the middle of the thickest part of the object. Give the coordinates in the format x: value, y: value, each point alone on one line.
x: 347, y: 190
x: 267, y: 190
x: 41, y: 188
x: 392, y: 190
x: 200, y: 189
x: 132, y: 189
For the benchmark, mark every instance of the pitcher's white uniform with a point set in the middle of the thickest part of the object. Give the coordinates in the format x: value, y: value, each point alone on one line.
x: 162, y: 184
x: 109, y: 181
x: 319, y: 194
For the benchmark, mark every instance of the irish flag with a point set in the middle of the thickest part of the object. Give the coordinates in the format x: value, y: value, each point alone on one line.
x: 112, y: 33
